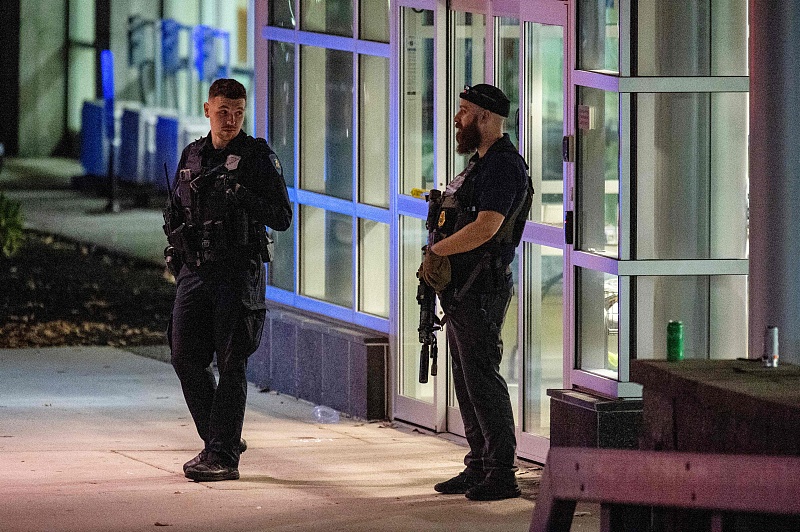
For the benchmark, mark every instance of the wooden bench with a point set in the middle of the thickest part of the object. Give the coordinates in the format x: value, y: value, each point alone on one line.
x: 657, y: 490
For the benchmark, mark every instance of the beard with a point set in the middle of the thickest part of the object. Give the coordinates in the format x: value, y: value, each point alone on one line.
x: 468, y: 138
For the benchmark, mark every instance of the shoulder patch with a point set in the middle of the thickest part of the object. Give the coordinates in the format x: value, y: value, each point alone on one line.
x: 276, y: 163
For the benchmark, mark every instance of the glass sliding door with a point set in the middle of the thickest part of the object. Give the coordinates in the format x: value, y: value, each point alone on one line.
x: 468, y: 65
x: 416, y: 402
x: 526, y: 57
x: 544, y: 288
x: 543, y: 342
x: 506, y: 66
x: 467, y: 40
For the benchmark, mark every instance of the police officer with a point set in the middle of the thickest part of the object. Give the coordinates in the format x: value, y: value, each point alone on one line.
x: 483, y: 213
x: 229, y: 185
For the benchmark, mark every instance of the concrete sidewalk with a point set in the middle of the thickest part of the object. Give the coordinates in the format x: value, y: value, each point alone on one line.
x: 93, y: 439
x: 50, y: 204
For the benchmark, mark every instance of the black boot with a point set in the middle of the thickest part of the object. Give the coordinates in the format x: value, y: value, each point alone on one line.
x: 460, y: 483
x: 203, y: 455
x: 494, y: 487
x: 211, y: 470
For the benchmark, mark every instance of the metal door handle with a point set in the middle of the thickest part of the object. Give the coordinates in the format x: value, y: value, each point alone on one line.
x: 569, y: 227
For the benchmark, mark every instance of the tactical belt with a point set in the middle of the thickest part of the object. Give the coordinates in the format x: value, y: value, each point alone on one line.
x: 458, y: 295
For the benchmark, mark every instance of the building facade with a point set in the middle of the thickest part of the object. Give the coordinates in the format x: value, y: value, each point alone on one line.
x: 633, y: 117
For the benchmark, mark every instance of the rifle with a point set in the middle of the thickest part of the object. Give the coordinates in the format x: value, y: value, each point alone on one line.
x: 206, y: 177
x: 429, y: 322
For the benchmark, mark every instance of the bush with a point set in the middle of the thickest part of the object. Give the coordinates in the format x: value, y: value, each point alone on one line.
x: 10, y: 226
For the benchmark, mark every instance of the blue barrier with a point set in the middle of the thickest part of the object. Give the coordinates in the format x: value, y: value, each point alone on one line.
x: 94, y: 146
x: 129, y: 146
x: 147, y: 138
x: 166, y: 148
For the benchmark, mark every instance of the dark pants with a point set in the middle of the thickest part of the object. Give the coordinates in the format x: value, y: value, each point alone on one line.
x: 473, y: 334
x: 208, y: 316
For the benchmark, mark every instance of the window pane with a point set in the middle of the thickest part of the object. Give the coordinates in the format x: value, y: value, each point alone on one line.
x: 326, y: 255
x: 713, y: 310
x: 281, y: 269
x: 281, y: 106
x: 374, y: 20
x: 468, y: 66
x: 691, y: 176
x: 597, y: 298
x: 507, y: 66
x: 373, y: 153
x: 544, y: 333
x: 414, y: 236
x: 545, y: 89
x: 416, y: 101
x: 281, y: 13
x: 598, y: 171
x: 334, y: 17
x: 691, y: 38
x: 374, y: 268
x: 326, y: 87
x: 598, y: 35
x: 81, y: 84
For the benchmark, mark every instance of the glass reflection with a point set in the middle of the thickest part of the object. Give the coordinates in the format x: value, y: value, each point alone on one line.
x: 713, y: 310
x: 414, y: 236
x: 374, y: 20
x: 281, y: 13
x: 543, y: 299
x: 598, y: 322
x: 507, y: 66
x: 467, y: 69
x: 598, y: 171
x: 691, y: 38
x: 281, y: 106
x: 326, y: 119
x: 334, y: 17
x: 598, y: 35
x: 373, y: 268
x: 326, y: 256
x: 282, y: 268
x: 373, y: 153
x: 545, y: 89
x: 691, y: 175
x: 416, y: 101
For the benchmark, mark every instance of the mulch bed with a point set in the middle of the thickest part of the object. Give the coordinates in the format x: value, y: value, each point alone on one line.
x: 56, y: 292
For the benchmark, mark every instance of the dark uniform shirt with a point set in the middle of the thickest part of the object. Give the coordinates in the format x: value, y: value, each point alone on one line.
x: 251, y: 163
x: 259, y: 171
x: 498, y: 182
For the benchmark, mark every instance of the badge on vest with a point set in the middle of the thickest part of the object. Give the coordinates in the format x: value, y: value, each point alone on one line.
x: 232, y: 162
x: 276, y: 163
x: 441, y: 218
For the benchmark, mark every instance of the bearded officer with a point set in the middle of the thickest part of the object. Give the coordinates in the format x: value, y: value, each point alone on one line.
x: 483, y: 214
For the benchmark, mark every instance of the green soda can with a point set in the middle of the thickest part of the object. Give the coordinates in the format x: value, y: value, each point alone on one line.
x: 674, y: 341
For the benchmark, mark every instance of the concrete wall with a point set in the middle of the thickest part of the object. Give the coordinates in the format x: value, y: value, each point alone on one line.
x: 42, y: 77
x: 322, y: 361
x: 125, y: 77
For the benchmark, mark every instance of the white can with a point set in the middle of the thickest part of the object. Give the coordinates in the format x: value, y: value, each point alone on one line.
x: 770, y: 356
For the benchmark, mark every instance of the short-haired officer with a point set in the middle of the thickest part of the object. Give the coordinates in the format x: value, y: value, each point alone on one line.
x: 480, y: 224
x: 228, y: 187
